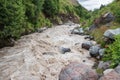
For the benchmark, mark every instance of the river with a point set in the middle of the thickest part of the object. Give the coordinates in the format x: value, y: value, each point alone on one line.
x: 37, y: 56
x: 94, y: 4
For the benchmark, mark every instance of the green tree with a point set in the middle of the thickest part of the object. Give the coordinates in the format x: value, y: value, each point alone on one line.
x: 11, y: 18
x: 51, y: 7
x: 32, y: 12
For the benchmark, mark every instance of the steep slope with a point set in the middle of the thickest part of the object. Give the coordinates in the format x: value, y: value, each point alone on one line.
x: 23, y: 17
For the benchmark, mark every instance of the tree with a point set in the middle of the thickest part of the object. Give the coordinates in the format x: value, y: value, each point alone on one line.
x: 32, y: 12
x: 11, y: 18
x: 51, y: 7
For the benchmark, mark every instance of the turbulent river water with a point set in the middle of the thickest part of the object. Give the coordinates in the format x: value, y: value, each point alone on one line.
x: 94, y: 4
x: 38, y: 57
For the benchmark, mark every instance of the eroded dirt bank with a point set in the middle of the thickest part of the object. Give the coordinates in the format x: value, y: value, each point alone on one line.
x: 37, y: 56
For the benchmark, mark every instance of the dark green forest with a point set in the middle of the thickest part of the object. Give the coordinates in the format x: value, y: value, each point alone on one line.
x: 20, y: 17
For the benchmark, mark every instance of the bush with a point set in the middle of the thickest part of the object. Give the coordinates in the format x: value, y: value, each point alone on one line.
x: 113, y: 52
x: 11, y: 18
x: 32, y: 11
x: 51, y: 7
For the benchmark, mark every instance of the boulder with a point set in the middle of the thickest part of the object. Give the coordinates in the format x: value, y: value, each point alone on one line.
x: 117, y: 69
x: 92, y: 27
x: 77, y: 71
x: 111, y: 33
x: 102, y: 20
x: 87, y: 45
x: 77, y: 31
x: 40, y: 30
x: 110, y: 74
x: 94, y: 51
x: 108, y: 17
x: 89, y: 37
x: 63, y: 50
x: 101, y: 52
x: 103, y: 65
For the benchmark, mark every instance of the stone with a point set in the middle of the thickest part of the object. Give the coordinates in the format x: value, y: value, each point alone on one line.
x: 94, y: 51
x: 108, y: 17
x: 77, y: 30
x: 110, y: 74
x: 89, y: 37
x: 117, y: 69
x: 77, y: 71
x: 48, y: 53
x: 63, y: 50
x: 111, y: 33
x: 108, y: 71
x: 40, y: 30
x: 103, y: 65
x: 87, y: 45
x: 92, y: 27
x: 101, y: 52
x: 102, y: 20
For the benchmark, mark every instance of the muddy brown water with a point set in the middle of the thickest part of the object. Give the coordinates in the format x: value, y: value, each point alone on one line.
x: 26, y: 61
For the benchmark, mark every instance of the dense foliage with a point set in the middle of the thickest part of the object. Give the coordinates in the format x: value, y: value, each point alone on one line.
x: 19, y: 17
x: 51, y: 7
x: 113, y: 52
x: 11, y: 18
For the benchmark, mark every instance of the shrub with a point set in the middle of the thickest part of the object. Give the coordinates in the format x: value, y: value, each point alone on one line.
x: 113, y: 52
x: 11, y: 18
x: 51, y: 7
x: 32, y: 11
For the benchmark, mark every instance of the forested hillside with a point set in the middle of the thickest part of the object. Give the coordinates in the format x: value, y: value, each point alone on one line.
x: 19, y: 17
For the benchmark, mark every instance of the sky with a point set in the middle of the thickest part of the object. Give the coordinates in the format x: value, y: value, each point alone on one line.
x: 94, y: 4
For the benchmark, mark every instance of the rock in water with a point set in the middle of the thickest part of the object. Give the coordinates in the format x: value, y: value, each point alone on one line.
x: 40, y: 30
x: 77, y: 71
x: 87, y: 45
x: 64, y: 50
x: 77, y: 31
x: 94, y: 51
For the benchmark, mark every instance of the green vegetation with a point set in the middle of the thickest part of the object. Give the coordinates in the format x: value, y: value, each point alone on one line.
x: 113, y: 52
x: 51, y: 7
x: 11, y: 18
x: 19, y: 17
x: 114, y: 8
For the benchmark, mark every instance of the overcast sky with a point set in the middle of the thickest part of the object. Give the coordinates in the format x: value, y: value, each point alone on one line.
x: 93, y: 4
